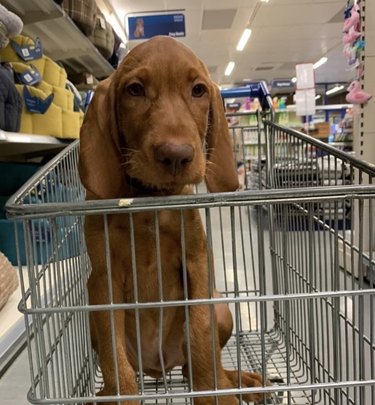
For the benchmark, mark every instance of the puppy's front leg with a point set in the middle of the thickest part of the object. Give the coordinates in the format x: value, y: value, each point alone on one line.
x: 206, y: 367
x: 101, y: 334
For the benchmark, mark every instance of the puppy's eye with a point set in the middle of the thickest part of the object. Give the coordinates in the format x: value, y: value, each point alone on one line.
x: 136, y: 90
x: 199, y: 90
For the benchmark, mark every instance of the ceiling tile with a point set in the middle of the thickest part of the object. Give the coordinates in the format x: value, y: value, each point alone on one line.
x: 218, y: 19
x: 339, y: 17
x: 284, y: 15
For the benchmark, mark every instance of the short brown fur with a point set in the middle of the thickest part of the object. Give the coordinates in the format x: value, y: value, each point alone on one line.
x: 121, y: 135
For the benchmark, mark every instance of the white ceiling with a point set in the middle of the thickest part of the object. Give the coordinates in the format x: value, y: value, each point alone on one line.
x: 284, y: 32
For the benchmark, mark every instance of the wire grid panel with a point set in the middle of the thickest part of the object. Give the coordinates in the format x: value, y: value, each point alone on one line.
x: 249, y: 146
x: 328, y: 247
x: 295, y: 160
x: 299, y: 313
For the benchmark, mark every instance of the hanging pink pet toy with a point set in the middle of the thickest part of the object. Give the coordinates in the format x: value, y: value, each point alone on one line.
x: 351, y: 37
x: 356, y: 95
x: 353, y: 20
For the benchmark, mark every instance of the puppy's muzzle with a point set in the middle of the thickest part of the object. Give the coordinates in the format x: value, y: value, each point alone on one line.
x: 174, y: 157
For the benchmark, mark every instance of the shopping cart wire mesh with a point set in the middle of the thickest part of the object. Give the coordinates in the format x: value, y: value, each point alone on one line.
x: 293, y: 255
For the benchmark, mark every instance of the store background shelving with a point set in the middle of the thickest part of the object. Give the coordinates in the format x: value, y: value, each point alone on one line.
x: 18, y: 146
x: 332, y: 123
x: 63, y: 42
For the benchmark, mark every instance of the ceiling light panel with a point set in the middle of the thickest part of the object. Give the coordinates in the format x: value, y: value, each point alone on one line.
x: 243, y: 40
x: 229, y: 68
x: 334, y: 90
x: 320, y: 62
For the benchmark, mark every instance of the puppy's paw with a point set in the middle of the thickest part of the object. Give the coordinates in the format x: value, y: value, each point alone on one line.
x: 250, y: 380
x: 104, y: 393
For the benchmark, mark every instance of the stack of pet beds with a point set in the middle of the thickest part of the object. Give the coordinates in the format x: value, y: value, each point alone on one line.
x: 48, y: 106
x: 89, y: 19
x: 8, y: 280
x: 10, y: 102
x: 102, y: 36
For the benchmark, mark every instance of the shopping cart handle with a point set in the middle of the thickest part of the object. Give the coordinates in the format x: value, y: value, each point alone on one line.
x: 254, y: 90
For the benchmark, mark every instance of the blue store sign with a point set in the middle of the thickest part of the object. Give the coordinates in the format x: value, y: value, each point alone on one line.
x: 148, y: 26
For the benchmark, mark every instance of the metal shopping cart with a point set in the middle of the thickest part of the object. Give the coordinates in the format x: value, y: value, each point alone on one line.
x: 294, y: 259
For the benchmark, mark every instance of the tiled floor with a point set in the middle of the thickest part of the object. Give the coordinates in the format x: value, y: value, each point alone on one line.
x: 15, y: 383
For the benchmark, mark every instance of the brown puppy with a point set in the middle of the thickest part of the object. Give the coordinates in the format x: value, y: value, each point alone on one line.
x: 156, y: 126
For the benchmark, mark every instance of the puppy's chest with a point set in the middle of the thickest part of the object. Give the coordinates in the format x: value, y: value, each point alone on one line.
x: 157, y: 236
x: 154, y: 279
x: 151, y: 260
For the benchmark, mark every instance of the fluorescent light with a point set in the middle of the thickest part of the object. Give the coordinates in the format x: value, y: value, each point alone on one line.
x: 334, y: 90
x: 229, y: 68
x: 318, y: 97
x: 294, y: 80
x: 264, y: 1
x: 243, y: 40
x: 320, y: 62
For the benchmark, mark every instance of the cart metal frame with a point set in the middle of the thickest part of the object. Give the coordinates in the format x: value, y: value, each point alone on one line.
x: 294, y: 260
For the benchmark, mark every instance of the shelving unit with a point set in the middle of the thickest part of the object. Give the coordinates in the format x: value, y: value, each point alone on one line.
x: 13, y: 144
x: 62, y: 41
x: 323, y: 113
x: 330, y: 123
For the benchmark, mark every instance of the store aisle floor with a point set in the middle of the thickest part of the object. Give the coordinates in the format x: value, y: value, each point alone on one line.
x: 15, y: 383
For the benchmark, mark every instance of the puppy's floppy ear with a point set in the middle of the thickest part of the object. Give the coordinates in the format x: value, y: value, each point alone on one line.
x: 100, y: 158
x: 221, y: 174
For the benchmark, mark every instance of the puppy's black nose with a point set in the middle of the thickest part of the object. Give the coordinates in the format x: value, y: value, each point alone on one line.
x: 174, y: 157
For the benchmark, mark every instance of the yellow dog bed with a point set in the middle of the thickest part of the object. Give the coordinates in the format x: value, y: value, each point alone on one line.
x: 50, y: 71
x: 62, y: 97
x: 56, y: 121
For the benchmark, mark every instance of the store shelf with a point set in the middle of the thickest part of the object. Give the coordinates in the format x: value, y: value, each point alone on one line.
x: 328, y: 107
x: 62, y: 41
x: 28, y: 145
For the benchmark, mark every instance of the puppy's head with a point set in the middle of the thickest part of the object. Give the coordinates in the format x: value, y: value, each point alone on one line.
x: 158, y: 121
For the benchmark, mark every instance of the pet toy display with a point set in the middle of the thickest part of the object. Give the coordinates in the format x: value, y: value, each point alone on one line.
x: 353, y: 47
x: 356, y: 95
x: 353, y: 19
